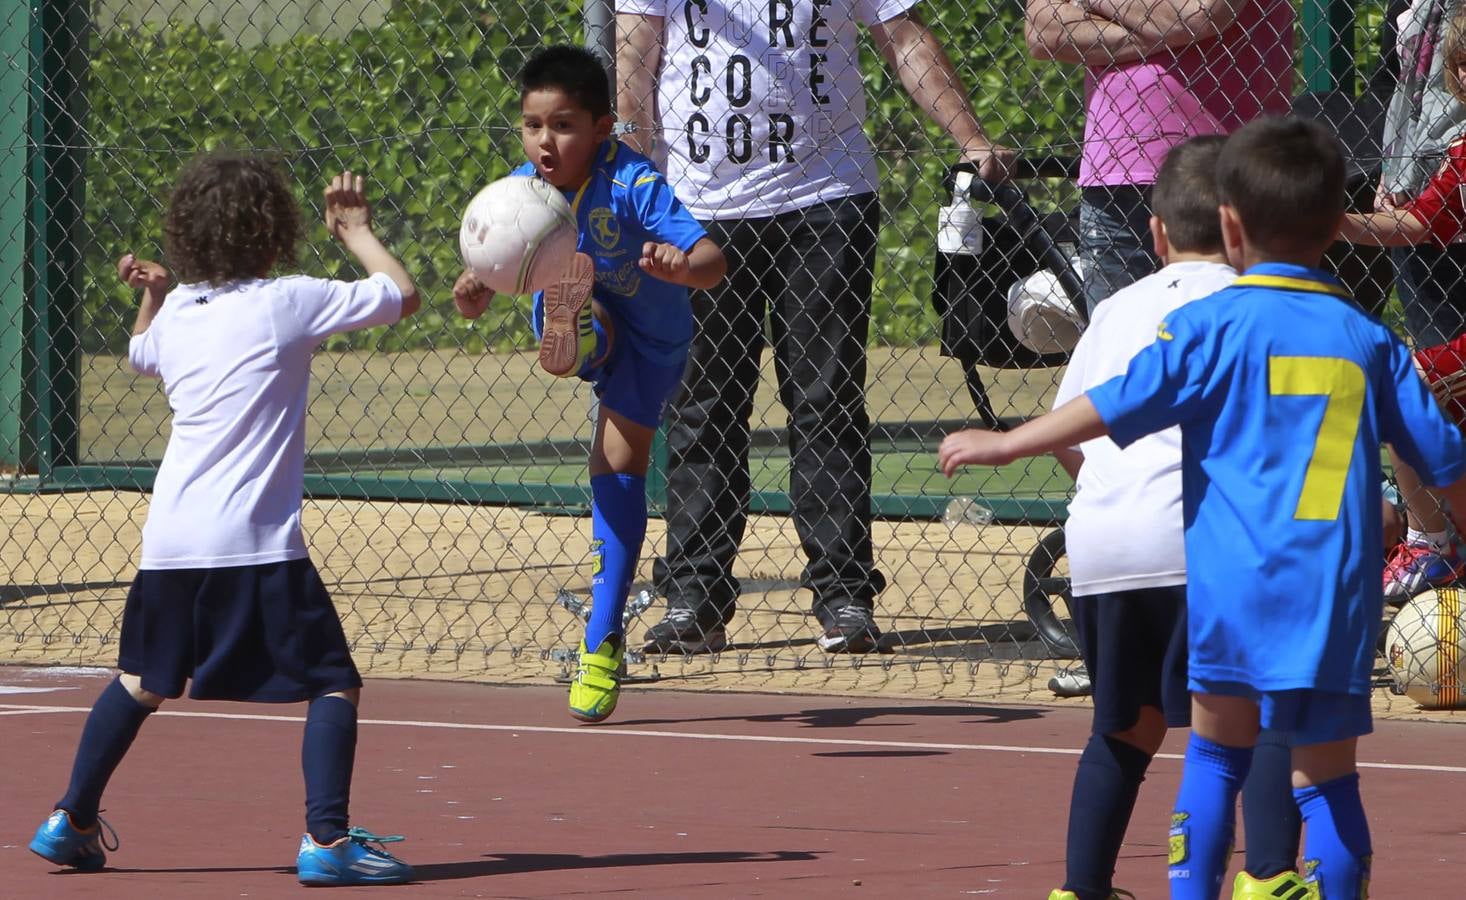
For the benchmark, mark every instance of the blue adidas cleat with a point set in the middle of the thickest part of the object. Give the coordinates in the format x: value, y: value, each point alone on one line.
x: 62, y: 843
x: 350, y: 861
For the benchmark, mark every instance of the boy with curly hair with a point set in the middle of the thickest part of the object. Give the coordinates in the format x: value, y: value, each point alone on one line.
x: 226, y: 597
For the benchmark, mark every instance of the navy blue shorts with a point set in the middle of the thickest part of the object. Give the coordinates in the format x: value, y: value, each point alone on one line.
x: 632, y: 385
x: 267, y: 633
x: 1302, y: 716
x: 1134, y: 647
x: 626, y: 382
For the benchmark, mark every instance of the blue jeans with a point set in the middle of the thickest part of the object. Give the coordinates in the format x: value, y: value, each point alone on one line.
x: 1114, y: 239
x: 1432, y: 287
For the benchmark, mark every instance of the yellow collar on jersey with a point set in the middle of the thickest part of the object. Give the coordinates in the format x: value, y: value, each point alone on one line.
x: 1287, y: 283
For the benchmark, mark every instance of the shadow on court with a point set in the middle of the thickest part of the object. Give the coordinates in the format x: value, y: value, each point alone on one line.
x: 179, y: 870
x: 515, y: 863
x: 852, y: 716
x: 997, y: 640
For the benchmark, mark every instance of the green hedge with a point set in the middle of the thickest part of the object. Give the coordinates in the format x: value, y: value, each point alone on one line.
x: 425, y: 104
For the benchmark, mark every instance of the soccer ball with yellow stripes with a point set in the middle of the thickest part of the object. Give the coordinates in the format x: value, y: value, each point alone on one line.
x: 1424, y: 644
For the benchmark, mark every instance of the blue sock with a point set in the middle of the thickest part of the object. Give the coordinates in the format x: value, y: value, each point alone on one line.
x: 1105, y: 787
x: 327, y: 754
x: 1205, y: 818
x: 618, y: 524
x: 1337, y: 853
x: 111, y: 727
x: 1270, y: 815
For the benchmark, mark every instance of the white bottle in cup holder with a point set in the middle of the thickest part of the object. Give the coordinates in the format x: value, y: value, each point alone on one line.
x: 959, y: 229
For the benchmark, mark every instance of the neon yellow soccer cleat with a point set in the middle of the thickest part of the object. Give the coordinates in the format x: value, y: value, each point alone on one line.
x: 1115, y: 894
x: 1283, y: 886
x: 597, y: 683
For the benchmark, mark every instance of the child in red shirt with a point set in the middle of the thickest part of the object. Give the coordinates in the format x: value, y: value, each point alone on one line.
x: 1428, y: 556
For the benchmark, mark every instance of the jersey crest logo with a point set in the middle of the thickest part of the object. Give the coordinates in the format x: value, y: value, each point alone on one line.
x: 1162, y: 334
x: 604, y: 227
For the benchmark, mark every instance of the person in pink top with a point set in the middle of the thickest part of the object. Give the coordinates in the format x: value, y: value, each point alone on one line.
x: 1156, y: 75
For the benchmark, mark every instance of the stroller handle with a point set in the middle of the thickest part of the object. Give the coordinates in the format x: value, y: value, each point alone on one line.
x: 1014, y: 203
x: 1026, y: 167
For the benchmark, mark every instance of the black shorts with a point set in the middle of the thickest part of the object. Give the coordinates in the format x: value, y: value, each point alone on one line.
x: 1134, y: 646
x: 267, y: 633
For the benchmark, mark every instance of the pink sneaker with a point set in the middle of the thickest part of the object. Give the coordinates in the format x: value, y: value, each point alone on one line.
x: 1414, y: 566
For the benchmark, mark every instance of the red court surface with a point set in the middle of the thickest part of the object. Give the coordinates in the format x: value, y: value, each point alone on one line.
x: 501, y: 794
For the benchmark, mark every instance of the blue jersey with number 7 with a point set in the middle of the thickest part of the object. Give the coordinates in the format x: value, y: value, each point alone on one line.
x: 1284, y: 392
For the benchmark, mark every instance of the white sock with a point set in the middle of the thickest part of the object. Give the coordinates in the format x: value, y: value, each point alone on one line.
x: 1436, y: 539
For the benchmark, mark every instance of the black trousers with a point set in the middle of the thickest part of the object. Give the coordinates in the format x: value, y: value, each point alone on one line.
x: 811, y: 272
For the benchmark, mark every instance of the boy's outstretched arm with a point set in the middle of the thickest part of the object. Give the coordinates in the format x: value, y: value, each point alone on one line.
x: 1386, y: 228
x: 152, y: 279
x: 1073, y: 423
x: 702, y: 267
x: 349, y: 220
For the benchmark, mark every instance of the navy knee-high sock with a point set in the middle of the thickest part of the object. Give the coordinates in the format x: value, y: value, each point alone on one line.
x: 618, y: 526
x: 327, y: 755
x: 1105, y: 787
x: 110, y: 729
x: 1270, y: 815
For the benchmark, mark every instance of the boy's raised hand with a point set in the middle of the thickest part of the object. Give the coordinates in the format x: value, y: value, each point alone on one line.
x: 664, y: 261
x: 143, y: 274
x: 470, y: 295
x: 346, y: 205
x: 974, y: 446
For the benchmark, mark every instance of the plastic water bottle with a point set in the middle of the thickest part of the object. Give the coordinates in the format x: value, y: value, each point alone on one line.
x: 959, y: 229
x: 967, y: 511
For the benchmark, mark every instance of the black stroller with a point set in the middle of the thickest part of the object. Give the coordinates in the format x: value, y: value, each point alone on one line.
x: 970, y: 294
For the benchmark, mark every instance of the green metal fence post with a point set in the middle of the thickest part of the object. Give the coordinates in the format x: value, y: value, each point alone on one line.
x: 656, y: 474
x: 52, y: 412
x: 1328, y: 46
x: 14, y: 114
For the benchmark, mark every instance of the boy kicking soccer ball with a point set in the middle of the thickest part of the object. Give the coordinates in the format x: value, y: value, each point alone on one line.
x: 1283, y: 391
x: 226, y: 596
x: 620, y: 319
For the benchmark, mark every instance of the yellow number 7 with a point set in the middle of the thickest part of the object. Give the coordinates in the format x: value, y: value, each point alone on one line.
x: 1342, y: 382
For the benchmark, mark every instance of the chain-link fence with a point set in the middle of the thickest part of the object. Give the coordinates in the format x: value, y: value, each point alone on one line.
x: 447, y: 480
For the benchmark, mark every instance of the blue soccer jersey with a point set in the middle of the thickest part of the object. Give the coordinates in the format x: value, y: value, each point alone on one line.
x: 1284, y: 392
x: 625, y: 203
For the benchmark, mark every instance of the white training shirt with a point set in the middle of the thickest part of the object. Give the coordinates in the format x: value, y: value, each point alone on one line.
x: 1125, y: 522
x: 235, y: 363
x: 760, y: 104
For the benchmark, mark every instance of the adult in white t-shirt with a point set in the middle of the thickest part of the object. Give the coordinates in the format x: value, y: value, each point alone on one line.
x: 757, y: 111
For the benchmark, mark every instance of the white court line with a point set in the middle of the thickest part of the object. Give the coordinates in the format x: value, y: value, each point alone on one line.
x: 686, y: 735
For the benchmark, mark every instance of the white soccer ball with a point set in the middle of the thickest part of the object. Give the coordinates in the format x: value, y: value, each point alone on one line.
x: 1425, y: 648
x: 518, y: 235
